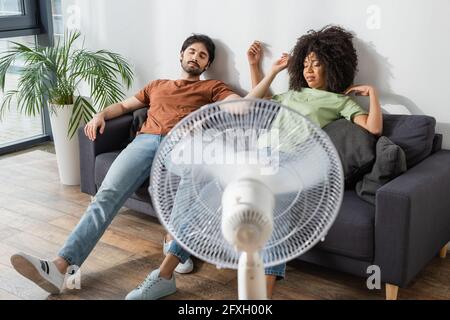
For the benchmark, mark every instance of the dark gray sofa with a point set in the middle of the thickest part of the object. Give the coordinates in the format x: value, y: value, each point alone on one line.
x: 406, y: 228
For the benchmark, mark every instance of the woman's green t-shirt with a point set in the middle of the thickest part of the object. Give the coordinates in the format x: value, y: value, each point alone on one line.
x: 319, y: 106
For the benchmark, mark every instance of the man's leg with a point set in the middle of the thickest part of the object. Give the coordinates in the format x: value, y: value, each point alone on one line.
x: 272, y: 275
x: 161, y: 282
x: 127, y: 173
x: 182, y: 268
x: 174, y: 254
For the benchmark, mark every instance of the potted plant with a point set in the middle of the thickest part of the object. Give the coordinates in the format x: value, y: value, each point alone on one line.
x: 53, y: 76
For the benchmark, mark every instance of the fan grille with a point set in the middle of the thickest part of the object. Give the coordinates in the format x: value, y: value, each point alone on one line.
x: 188, y: 198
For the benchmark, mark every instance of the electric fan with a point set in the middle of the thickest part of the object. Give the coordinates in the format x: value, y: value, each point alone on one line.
x: 247, y: 184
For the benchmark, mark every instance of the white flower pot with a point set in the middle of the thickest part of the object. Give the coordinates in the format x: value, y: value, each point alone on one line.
x: 67, y: 150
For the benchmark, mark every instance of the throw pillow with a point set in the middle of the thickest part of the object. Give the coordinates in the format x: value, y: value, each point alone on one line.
x: 390, y: 162
x: 413, y: 133
x: 356, y: 148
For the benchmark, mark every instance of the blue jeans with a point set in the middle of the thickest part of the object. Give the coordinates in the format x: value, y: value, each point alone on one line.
x: 127, y: 173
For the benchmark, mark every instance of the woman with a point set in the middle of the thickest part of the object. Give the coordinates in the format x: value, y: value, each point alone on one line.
x: 322, y: 69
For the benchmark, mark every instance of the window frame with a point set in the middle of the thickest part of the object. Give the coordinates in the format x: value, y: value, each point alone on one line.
x: 27, y: 20
x: 34, y: 20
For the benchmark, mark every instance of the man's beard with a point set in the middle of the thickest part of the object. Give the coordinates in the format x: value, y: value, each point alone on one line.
x: 191, y: 69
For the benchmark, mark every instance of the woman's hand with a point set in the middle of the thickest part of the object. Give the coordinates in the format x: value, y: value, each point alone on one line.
x: 361, y: 90
x: 254, y: 53
x: 90, y: 129
x: 281, y: 63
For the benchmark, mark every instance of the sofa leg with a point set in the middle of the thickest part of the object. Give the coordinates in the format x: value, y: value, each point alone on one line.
x: 391, y: 292
x: 443, y: 252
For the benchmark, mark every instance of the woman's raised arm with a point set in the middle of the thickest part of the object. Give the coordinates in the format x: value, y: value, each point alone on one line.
x: 374, y: 121
x: 263, y: 86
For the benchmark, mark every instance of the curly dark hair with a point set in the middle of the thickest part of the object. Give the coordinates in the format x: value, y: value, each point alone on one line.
x: 334, y: 48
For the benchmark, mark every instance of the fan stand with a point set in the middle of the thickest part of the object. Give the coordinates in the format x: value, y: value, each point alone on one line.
x: 251, y: 278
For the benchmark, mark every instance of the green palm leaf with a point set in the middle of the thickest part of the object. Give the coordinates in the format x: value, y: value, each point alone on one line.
x: 6, y: 103
x: 82, y: 113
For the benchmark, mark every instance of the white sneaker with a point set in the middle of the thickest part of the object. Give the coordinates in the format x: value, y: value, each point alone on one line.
x: 186, y: 267
x: 42, y: 272
x: 153, y: 287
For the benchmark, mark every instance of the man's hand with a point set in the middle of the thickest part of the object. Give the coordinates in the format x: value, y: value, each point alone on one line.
x: 90, y: 129
x: 238, y: 107
x: 281, y: 63
x: 254, y: 53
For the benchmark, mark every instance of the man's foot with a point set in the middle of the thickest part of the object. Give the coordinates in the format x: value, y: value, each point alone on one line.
x: 186, y: 267
x: 42, y: 272
x: 153, y: 287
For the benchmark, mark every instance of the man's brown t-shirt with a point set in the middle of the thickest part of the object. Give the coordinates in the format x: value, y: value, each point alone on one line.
x: 172, y: 100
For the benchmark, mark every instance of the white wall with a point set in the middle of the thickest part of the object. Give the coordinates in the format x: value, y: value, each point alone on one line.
x: 403, y: 45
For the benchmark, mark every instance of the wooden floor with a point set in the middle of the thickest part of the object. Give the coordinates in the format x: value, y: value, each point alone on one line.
x: 37, y: 214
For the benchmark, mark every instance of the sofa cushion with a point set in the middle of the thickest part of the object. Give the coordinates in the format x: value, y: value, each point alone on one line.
x: 103, y: 162
x: 390, y: 163
x: 356, y: 148
x: 413, y: 133
x: 352, y: 233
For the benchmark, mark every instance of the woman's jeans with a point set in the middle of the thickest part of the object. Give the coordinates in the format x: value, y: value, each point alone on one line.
x: 127, y: 173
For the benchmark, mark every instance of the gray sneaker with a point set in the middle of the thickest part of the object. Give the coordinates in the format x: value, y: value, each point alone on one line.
x: 186, y: 267
x: 153, y: 288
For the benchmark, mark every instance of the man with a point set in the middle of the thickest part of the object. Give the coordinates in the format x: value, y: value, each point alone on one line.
x: 171, y: 101
x: 161, y: 282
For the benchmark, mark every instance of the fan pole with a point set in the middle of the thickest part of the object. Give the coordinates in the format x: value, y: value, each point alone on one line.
x: 251, y: 278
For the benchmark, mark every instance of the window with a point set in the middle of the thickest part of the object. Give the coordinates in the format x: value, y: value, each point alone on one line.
x: 28, y: 22
x: 19, y: 17
x: 15, y: 127
x: 11, y: 8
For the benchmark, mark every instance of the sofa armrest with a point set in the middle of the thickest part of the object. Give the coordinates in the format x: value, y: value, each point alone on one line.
x: 115, y: 137
x: 412, y: 219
